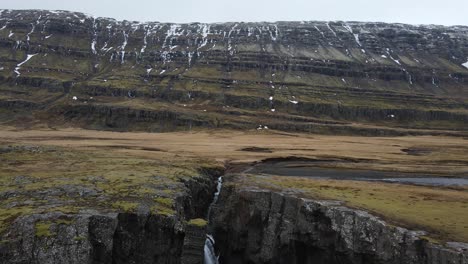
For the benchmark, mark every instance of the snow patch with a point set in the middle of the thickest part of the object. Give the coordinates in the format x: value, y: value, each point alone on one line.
x: 171, y: 33
x: 231, y: 51
x: 331, y: 29
x: 165, y: 56
x: 204, y: 30
x: 347, y: 27
x: 94, y: 41
x: 18, y: 67
x: 190, y: 56
x: 93, y: 46
x: 274, y: 38
x: 145, y: 42
x: 250, y: 31
x: 465, y: 64
x: 356, y: 37
x: 391, y: 57
x: 321, y: 32
x: 124, y: 44
x: 395, y: 60
x: 33, y: 28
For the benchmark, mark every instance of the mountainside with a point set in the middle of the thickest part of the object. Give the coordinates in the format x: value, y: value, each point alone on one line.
x: 61, y: 68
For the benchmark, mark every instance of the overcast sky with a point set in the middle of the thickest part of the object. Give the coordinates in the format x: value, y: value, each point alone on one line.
x: 444, y: 12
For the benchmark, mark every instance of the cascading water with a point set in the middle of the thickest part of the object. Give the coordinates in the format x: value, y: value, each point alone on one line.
x: 209, y: 251
x: 210, y: 256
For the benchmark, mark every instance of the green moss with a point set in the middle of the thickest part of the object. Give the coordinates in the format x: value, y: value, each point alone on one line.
x: 158, y: 209
x: 168, y: 202
x: 431, y: 240
x: 7, y: 215
x: 198, y: 222
x: 125, y: 206
x: 80, y: 238
x: 64, y: 221
x: 43, y: 229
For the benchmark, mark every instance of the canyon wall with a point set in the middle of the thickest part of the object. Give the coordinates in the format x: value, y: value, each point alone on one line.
x: 260, y: 226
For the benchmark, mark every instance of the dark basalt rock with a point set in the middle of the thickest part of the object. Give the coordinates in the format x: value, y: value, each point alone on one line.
x: 97, y: 236
x: 259, y: 226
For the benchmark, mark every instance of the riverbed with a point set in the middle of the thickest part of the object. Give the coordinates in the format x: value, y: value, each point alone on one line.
x: 301, y: 168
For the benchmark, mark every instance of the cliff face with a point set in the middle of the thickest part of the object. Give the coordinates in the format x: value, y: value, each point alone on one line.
x: 260, y: 226
x: 285, y: 75
x: 113, y: 236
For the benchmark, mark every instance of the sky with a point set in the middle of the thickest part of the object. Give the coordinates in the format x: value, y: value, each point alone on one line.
x: 442, y: 12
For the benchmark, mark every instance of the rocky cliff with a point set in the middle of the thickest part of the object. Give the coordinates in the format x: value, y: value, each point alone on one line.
x: 260, y: 226
x: 109, y: 235
x: 331, y: 77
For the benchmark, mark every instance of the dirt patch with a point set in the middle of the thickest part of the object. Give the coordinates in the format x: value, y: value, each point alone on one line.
x: 417, y: 151
x: 128, y: 147
x: 319, y: 159
x: 256, y: 149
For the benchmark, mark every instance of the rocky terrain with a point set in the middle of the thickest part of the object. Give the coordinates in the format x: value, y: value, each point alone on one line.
x: 140, y: 211
x: 259, y: 226
x: 323, y: 77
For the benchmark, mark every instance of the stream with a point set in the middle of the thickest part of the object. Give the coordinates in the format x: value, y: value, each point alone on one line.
x: 209, y: 250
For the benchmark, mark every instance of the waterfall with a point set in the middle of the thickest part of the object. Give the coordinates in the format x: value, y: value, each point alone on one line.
x: 209, y: 251
x: 210, y: 256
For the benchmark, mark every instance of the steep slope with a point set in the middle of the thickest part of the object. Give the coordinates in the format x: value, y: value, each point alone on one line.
x: 64, y: 68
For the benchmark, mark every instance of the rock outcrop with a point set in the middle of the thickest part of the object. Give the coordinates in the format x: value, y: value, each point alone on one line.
x: 109, y: 236
x: 261, y: 226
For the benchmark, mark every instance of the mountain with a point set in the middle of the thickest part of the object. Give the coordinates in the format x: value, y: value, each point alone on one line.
x: 60, y: 68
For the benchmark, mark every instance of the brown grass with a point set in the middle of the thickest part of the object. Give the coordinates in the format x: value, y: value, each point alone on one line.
x: 447, y: 155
